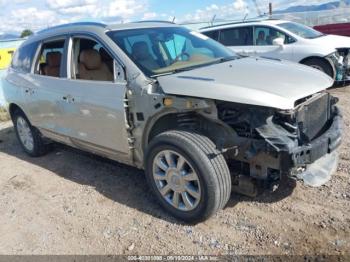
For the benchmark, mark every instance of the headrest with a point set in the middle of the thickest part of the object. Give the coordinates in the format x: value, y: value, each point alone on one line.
x: 104, y: 54
x: 91, y: 59
x: 53, y: 59
x: 140, y: 50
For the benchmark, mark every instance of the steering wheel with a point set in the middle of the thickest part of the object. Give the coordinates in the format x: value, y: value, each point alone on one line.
x: 177, y: 58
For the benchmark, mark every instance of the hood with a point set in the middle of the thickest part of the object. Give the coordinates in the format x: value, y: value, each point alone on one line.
x: 255, y: 81
x: 334, y: 41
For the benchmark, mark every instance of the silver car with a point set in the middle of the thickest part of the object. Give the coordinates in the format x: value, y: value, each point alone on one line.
x: 199, y: 119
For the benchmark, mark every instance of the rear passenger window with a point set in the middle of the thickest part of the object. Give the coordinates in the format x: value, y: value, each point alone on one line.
x: 50, y: 59
x: 212, y: 34
x: 240, y: 36
x: 23, y: 57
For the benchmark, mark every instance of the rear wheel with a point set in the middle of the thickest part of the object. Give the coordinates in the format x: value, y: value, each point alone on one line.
x: 28, y: 136
x: 188, y: 175
x: 321, y: 65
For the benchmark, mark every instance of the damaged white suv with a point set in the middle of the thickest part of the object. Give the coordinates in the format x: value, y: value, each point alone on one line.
x: 196, y: 117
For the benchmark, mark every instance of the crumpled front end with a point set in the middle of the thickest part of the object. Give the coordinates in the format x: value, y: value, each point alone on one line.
x: 312, y: 134
x: 341, y: 62
x: 294, y: 142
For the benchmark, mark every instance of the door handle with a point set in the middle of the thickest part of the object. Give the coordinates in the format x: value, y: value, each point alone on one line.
x: 68, y: 99
x: 29, y: 91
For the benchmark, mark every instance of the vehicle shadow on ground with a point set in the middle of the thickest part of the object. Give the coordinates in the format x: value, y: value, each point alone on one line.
x: 118, y: 182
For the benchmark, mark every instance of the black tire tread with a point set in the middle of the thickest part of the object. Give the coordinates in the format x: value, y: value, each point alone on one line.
x: 322, y: 63
x: 215, y: 161
x: 218, y: 162
x: 40, y: 148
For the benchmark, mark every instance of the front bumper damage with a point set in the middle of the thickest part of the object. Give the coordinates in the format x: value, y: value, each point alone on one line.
x: 319, y: 172
x: 322, y: 160
x: 313, y: 162
x: 341, y: 64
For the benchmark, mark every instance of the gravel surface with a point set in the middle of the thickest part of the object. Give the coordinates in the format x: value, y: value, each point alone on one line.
x: 70, y: 202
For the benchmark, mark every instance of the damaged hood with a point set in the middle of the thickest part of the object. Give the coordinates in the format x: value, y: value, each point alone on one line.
x: 255, y: 81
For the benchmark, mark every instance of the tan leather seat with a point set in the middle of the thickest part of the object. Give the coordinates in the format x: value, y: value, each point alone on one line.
x: 91, y: 66
x: 140, y: 51
x: 53, y: 64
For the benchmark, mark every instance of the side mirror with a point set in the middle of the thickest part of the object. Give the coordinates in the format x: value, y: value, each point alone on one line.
x: 278, y: 41
x: 119, y: 72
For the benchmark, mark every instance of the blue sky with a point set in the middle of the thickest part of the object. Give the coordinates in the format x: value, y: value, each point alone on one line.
x: 15, y: 15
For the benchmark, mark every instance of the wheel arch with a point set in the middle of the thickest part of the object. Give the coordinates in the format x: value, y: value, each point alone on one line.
x: 221, y: 134
x: 13, y: 107
x: 325, y: 59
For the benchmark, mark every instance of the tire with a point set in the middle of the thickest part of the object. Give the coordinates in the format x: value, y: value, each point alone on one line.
x: 28, y: 136
x: 203, y: 163
x: 321, y: 65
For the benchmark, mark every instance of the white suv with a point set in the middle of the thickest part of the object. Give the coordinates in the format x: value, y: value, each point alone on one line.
x: 286, y: 40
x: 195, y: 116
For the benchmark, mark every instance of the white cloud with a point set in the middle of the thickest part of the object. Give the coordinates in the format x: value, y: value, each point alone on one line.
x: 239, y: 5
x: 69, y: 3
x: 122, y: 9
x: 236, y: 9
x: 149, y: 15
x: 23, y: 18
x: 15, y: 17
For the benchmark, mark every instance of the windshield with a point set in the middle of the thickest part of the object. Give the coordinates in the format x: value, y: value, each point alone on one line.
x: 169, y: 49
x: 301, y: 30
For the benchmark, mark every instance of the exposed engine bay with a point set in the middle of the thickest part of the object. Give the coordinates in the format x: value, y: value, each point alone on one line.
x: 283, y: 142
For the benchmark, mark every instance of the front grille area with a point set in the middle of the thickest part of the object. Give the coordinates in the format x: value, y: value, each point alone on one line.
x: 312, y: 117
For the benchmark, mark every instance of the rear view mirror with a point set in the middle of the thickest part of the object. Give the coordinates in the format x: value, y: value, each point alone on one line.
x: 278, y: 41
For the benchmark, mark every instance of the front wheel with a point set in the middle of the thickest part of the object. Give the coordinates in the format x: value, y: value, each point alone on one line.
x: 321, y: 65
x: 188, y: 175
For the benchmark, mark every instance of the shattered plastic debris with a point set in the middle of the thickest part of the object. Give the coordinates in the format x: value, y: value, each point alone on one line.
x: 320, y: 172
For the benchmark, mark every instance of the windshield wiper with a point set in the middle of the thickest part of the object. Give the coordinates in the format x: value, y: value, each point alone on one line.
x: 179, y: 70
x: 228, y: 58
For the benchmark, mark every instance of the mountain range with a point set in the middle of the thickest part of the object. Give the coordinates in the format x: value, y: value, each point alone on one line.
x: 310, y: 8
x: 8, y: 36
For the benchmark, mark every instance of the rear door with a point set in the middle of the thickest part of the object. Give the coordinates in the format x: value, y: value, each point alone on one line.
x: 94, y: 106
x: 45, y: 105
x: 239, y: 39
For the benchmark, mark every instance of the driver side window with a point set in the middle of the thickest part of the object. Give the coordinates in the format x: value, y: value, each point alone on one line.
x: 264, y: 36
x: 91, y: 61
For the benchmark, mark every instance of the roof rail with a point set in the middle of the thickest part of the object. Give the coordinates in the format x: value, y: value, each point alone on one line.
x: 154, y: 21
x: 238, y: 22
x: 100, y: 24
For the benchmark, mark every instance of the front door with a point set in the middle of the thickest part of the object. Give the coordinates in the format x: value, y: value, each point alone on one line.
x: 264, y: 43
x: 94, y: 99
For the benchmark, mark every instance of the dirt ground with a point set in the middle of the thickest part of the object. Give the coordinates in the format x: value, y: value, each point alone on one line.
x: 70, y: 202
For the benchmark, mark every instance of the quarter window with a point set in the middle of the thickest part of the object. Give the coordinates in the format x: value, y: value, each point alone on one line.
x: 23, y: 57
x: 240, y: 36
x: 50, y: 59
x: 212, y: 34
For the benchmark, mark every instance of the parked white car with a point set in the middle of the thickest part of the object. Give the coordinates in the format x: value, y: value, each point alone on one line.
x: 286, y: 40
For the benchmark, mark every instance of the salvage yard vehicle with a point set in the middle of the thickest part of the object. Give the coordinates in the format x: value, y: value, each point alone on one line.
x: 287, y: 40
x: 199, y: 119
